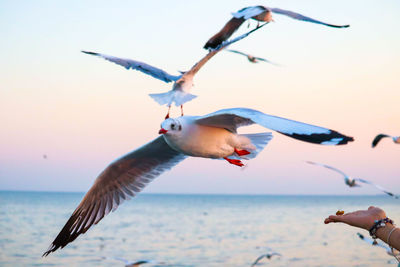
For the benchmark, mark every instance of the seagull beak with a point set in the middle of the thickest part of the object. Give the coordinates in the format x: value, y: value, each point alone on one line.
x: 162, y: 131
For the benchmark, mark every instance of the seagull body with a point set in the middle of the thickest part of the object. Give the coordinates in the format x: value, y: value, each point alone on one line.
x: 251, y: 58
x: 180, y: 92
x: 258, y: 13
x: 352, y: 182
x: 211, y: 136
x: 377, y: 139
x: 267, y: 256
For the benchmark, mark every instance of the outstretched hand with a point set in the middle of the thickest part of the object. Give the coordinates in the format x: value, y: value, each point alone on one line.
x: 361, y: 218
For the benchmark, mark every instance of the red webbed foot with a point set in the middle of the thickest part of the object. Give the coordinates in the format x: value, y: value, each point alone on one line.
x: 241, y: 152
x: 236, y: 162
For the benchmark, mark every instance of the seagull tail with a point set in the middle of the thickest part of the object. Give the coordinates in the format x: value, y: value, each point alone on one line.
x: 259, y: 140
x: 169, y: 97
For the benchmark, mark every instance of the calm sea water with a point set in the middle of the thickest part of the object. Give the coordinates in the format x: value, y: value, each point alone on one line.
x: 191, y: 230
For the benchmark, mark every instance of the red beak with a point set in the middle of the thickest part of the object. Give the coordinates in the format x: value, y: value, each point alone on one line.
x: 162, y: 131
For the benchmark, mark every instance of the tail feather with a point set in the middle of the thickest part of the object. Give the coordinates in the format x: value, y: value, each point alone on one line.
x: 259, y: 140
x: 172, y: 96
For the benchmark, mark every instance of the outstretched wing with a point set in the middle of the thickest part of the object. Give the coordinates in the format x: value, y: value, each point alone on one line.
x: 213, y: 52
x: 328, y: 167
x: 140, y: 66
x: 249, y: 12
x: 120, y: 181
x: 378, y: 138
x: 237, y: 52
x: 258, y: 260
x: 377, y: 186
x: 231, y: 119
x: 230, y: 27
x: 298, y: 16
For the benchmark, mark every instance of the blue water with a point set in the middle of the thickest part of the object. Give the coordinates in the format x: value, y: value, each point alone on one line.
x: 191, y: 230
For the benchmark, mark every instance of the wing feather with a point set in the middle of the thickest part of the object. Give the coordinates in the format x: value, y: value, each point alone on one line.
x: 140, y: 66
x: 120, y: 181
x: 298, y: 16
x: 233, y: 118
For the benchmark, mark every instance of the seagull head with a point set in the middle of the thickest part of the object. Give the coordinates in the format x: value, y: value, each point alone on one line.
x: 170, y: 126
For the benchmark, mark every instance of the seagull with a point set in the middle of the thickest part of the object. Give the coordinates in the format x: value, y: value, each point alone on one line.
x: 375, y: 243
x: 251, y: 58
x: 210, y: 136
x: 179, y: 94
x: 131, y: 263
x: 258, y: 13
x: 267, y: 256
x: 377, y: 139
x: 352, y: 182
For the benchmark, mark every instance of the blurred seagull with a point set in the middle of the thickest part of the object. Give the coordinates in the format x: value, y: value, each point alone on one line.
x: 211, y: 136
x: 251, y: 58
x: 352, y: 182
x: 377, y: 139
x: 267, y: 256
x: 131, y: 263
x: 375, y: 243
x: 179, y: 94
x: 258, y: 13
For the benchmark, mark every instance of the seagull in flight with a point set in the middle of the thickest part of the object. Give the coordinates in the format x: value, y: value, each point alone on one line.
x: 267, y: 256
x: 378, y: 244
x: 211, y: 136
x: 180, y: 92
x: 258, y: 13
x: 131, y: 263
x: 251, y: 58
x: 377, y: 139
x: 352, y: 182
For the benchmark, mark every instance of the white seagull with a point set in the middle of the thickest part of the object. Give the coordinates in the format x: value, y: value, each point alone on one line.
x: 377, y: 244
x: 258, y: 13
x: 180, y: 92
x: 211, y: 136
x: 131, y: 263
x: 352, y: 182
x: 251, y: 58
x: 267, y: 256
x: 377, y: 139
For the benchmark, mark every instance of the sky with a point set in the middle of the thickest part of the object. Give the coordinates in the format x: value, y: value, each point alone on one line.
x: 83, y: 112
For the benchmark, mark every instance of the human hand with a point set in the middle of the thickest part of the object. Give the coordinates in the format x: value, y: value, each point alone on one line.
x: 362, y: 218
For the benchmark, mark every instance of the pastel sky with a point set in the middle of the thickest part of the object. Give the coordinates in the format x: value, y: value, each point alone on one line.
x: 84, y: 112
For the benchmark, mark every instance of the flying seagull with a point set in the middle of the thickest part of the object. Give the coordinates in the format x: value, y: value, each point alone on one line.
x: 132, y: 263
x: 251, y: 58
x: 180, y: 92
x: 267, y: 256
x: 377, y: 139
x: 211, y: 136
x: 258, y: 13
x: 378, y: 244
x: 352, y: 182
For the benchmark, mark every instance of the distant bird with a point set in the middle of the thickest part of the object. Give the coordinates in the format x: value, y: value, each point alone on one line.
x: 375, y: 243
x: 267, y: 256
x: 44, y: 156
x: 211, y: 136
x: 179, y: 94
x: 258, y: 13
x: 377, y: 139
x: 132, y: 263
x: 352, y: 182
x: 251, y: 58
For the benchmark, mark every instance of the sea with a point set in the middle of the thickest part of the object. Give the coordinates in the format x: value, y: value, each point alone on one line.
x: 191, y: 230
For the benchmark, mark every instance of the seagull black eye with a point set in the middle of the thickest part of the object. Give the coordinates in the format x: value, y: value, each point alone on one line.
x: 172, y: 126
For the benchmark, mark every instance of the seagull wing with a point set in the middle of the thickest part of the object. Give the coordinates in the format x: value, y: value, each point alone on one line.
x: 231, y: 119
x: 137, y: 65
x: 328, y: 167
x: 237, y: 52
x: 258, y: 259
x: 249, y: 12
x: 298, y: 16
x: 213, y: 52
x: 378, y: 138
x: 377, y: 186
x: 230, y: 27
x: 121, y: 180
